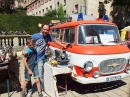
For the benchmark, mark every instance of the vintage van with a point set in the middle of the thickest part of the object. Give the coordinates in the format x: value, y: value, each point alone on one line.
x: 96, y: 52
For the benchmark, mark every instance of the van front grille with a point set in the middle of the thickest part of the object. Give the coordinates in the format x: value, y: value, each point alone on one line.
x: 112, y: 66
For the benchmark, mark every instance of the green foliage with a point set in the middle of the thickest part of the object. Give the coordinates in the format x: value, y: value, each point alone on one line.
x: 61, y: 11
x: 20, y: 11
x: 121, y: 11
x: 107, y: 1
x: 118, y: 2
x: 6, y: 7
x: 51, y: 13
x: 23, y: 22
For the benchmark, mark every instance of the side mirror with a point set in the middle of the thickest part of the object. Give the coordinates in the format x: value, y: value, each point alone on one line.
x: 50, y: 25
x: 69, y: 45
x: 55, y: 30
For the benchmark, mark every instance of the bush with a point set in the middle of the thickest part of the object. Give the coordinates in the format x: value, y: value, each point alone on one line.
x: 51, y: 13
x: 23, y: 23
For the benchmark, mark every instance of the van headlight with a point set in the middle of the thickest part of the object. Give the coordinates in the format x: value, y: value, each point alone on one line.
x: 96, y: 74
x: 88, y: 65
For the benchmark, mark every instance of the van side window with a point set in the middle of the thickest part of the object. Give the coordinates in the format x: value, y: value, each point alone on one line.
x: 55, y: 33
x: 61, y: 34
x: 69, y: 35
x: 81, y: 39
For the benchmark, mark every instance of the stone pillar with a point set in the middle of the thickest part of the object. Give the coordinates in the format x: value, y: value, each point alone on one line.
x: 16, y: 41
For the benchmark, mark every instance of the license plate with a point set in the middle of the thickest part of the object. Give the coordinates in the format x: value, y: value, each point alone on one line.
x: 114, y: 78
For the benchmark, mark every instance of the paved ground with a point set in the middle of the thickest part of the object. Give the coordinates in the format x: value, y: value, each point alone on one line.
x: 112, y: 89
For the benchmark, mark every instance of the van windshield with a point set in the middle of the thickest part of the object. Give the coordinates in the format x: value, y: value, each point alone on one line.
x: 98, y: 34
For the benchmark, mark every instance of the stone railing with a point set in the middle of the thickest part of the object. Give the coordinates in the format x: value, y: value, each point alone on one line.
x: 17, y: 41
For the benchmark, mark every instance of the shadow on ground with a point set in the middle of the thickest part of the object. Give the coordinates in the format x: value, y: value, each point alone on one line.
x: 90, y: 88
x: 85, y: 88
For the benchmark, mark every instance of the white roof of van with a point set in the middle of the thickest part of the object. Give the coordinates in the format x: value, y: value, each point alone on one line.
x: 85, y: 17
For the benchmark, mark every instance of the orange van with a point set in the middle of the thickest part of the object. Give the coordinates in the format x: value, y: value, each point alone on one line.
x: 96, y: 52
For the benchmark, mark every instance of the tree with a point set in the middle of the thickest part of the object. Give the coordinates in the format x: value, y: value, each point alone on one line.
x: 7, y: 6
x: 51, y: 13
x: 123, y: 10
x: 123, y: 3
x: 61, y: 11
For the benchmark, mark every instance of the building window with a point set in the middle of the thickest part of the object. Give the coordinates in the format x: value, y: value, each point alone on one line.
x: 43, y: 11
x: 39, y: 13
x: 36, y: 13
x: 58, y: 4
x: 64, y: 2
x: 33, y: 6
x: 76, y: 8
x: 39, y: 3
x: 28, y: 2
x: 46, y: 1
x: 30, y: 8
x: 50, y: 7
x: 64, y: 13
x: 36, y: 5
x: 47, y: 9
x: 42, y: 2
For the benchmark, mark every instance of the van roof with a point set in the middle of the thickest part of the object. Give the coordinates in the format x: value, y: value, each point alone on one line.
x: 85, y: 17
x: 76, y: 23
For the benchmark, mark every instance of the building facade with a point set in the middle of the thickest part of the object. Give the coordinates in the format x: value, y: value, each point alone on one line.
x: 18, y: 3
x: 88, y: 7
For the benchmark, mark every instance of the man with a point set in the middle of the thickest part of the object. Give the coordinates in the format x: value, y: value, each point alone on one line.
x: 41, y: 39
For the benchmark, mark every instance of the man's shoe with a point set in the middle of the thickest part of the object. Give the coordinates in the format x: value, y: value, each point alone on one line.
x: 44, y: 94
x: 23, y: 94
x: 29, y: 94
x: 40, y: 94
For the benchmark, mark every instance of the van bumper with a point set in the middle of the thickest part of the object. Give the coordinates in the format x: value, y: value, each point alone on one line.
x: 102, y: 79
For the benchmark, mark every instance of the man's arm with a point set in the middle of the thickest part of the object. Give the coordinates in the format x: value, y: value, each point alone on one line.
x: 51, y: 39
x: 59, y: 43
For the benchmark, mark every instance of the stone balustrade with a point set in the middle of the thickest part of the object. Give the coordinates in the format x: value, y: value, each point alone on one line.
x: 17, y: 41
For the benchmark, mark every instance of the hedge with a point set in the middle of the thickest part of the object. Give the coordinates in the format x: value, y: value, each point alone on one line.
x: 23, y: 22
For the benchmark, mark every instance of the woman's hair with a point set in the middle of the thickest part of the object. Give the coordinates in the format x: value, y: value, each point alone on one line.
x: 29, y: 40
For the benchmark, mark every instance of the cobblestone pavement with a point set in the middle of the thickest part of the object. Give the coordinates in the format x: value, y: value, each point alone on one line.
x: 112, y: 89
